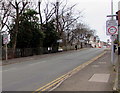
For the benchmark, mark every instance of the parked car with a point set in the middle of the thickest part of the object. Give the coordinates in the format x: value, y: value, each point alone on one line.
x: 60, y: 49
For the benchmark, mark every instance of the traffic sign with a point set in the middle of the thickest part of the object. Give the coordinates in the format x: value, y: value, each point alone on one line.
x: 5, y: 39
x: 112, y: 30
x: 111, y: 27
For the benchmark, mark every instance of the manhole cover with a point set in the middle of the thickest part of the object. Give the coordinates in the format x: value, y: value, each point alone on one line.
x: 100, y: 78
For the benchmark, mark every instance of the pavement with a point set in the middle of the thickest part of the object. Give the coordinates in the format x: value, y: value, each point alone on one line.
x: 117, y: 80
x: 97, y: 76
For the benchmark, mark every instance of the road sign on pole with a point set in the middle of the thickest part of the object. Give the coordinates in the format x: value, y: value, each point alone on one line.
x: 111, y: 27
x: 5, y: 39
x: 112, y: 30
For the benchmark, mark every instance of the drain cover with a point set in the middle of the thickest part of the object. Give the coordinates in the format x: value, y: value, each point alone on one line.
x: 100, y: 78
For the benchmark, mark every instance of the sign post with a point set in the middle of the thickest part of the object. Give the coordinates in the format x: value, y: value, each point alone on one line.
x: 112, y: 30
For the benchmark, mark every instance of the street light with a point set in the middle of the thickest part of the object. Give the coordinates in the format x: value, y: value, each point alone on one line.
x: 40, y: 1
x: 57, y: 0
x: 111, y: 15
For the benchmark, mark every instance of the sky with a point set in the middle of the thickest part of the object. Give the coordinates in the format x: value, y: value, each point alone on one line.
x: 95, y: 12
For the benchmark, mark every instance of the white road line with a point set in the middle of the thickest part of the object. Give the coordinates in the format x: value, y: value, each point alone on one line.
x: 37, y: 63
x: 9, y: 69
x: 5, y: 70
x: 43, y: 61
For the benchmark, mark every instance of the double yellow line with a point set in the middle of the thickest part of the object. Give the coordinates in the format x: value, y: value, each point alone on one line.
x: 63, y: 77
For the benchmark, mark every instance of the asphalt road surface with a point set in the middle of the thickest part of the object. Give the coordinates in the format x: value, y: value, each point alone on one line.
x: 31, y: 75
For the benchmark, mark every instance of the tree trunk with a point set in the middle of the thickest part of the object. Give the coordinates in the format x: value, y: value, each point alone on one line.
x: 16, y: 31
x: 81, y: 45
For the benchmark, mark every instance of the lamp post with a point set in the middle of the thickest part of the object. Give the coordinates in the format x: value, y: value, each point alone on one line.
x: 39, y: 9
x: 57, y: 13
x: 57, y: 20
x: 112, y: 37
x: 40, y: 1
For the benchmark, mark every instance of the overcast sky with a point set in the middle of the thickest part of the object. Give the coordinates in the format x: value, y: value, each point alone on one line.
x: 95, y: 12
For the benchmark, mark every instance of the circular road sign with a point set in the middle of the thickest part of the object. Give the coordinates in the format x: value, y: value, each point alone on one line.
x: 112, y: 30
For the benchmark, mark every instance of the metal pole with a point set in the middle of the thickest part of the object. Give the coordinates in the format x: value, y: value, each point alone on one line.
x: 57, y: 9
x: 118, y: 28
x: 6, y: 51
x: 112, y: 8
x: 57, y: 20
x: 112, y: 50
x: 112, y: 37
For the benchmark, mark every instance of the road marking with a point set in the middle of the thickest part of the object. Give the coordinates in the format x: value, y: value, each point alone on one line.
x: 37, y: 63
x: 9, y: 69
x: 22, y: 67
x: 5, y: 70
x: 67, y: 75
x: 31, y: 58
x: 43, y: 61
x: 48, y: 85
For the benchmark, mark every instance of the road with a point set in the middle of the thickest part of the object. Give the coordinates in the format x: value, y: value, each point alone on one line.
x: 31, y: 75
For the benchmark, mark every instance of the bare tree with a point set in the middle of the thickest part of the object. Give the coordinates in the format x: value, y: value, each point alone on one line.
x: 63, y: 15
x: 65, y: 20
x: 5, y: 12
x: 82, y: 33
x: 18, y: 7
